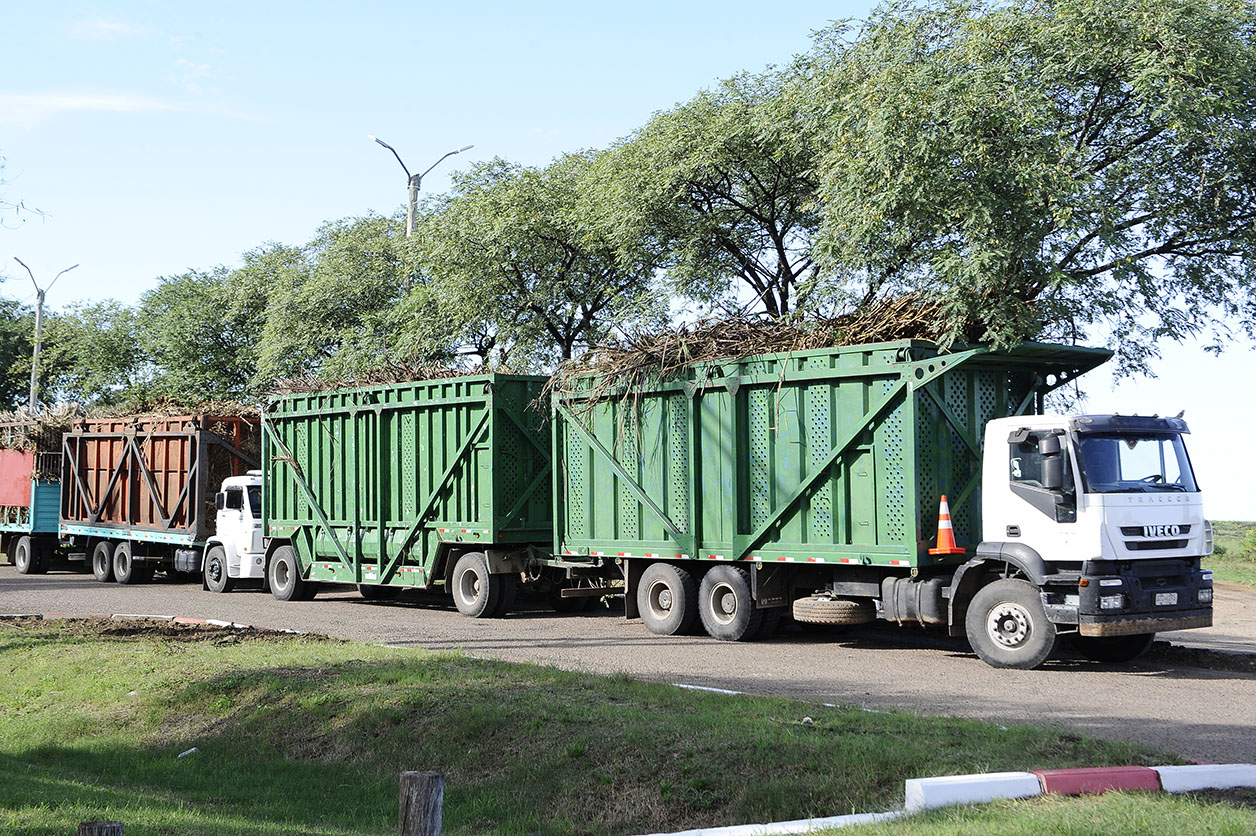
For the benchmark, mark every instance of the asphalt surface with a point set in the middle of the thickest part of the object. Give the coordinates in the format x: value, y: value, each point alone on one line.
x: 1197, y: 711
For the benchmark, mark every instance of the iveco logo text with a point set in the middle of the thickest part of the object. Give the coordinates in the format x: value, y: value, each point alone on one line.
x: 1162, y: 530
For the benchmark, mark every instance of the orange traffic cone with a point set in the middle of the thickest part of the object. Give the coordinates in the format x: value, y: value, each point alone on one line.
x: 946, y: 534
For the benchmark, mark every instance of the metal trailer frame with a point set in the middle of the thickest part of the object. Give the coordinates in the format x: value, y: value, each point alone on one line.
x: 831, y: 457
x: 380, y: 485
x: 131, y: 490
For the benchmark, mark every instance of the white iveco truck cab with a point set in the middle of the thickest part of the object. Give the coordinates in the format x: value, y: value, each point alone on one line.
x: 1099, y: 526
x: 235, y: 551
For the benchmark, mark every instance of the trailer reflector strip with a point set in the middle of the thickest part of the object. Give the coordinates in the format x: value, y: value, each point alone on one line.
x: 898, y: 563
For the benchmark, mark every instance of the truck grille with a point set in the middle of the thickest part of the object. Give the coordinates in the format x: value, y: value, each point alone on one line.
x: 1152, y: 545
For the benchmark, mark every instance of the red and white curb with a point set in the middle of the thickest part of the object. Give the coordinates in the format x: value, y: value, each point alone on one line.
x: 922, y: 794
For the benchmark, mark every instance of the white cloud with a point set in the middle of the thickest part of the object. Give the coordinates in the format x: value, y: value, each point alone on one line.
x: 28, y: 109
x: 107, y: 30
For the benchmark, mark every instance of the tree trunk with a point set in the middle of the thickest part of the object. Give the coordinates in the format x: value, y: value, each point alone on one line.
x: 100, y: 828
x: 422, y: 801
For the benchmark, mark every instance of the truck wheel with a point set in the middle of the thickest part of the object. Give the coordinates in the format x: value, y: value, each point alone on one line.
x: 216, y: 577
x: 286, y: 582
x: 26, y: 560
x: 1112, y: 648
x: 475, y: 593
x: 667, y: 598
x: 102, y: 561
x: 1007, y: 626
x: 821, y: 609
x: 724, y: 603
x: 378, y: 592
x: 125, y: 569
x: 508, y: 588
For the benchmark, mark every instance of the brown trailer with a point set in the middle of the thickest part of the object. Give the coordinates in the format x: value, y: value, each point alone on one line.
x: 139, y: 492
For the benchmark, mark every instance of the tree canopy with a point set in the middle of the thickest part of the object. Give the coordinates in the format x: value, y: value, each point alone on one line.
x: 1080, y: 170
x: 1045, y: 166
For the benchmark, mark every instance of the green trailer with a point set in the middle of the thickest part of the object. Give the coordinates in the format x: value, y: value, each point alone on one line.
x: 421, y: 484
x: 812, y: 481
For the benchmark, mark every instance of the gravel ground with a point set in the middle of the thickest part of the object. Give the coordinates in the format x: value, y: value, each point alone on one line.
x: 1192, y: 697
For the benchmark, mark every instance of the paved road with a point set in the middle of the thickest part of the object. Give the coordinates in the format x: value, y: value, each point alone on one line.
x: 1200, y: 713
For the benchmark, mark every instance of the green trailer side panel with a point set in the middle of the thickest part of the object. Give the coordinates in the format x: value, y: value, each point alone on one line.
x: 834, y: 455
x: 368, y: 483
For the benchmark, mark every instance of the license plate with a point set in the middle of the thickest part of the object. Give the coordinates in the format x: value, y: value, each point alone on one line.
x: 1166, y: 599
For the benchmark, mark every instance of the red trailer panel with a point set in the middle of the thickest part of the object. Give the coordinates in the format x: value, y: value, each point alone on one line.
x: 153, y: 474
x: 16, y: 468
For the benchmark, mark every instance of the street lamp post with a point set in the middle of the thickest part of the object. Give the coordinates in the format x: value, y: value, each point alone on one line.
x: 414, y: 180
x: 39, y: 329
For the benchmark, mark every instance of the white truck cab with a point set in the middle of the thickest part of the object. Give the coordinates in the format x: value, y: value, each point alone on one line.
x: 1103, y: 515
x: 236, y: 551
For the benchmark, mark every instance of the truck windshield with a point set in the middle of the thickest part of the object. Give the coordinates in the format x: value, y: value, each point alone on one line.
x: 1135, y: 463
x: 255, y: 501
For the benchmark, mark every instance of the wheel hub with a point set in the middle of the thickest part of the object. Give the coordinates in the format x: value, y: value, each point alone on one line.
x: 724, y: 603
x: 1008, y: 624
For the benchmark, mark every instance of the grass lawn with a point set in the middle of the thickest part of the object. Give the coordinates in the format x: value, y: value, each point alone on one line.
x: 1113, y: 814
x: 1230, y: 562
x: 308, y: 735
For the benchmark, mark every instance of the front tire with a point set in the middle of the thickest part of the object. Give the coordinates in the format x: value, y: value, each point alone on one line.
x: 726, y: 606
x: 667, y: 598
x: 1007, y: 626
x: 284, y: 575
x: 102, y: 561
x: 1113, y: 649
x: 215, y: 572
x: 475, y: 593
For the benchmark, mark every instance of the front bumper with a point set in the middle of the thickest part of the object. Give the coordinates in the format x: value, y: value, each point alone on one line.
x: 1146, y: 587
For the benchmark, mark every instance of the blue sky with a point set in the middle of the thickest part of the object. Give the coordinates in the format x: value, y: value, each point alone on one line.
x: 159, y: 137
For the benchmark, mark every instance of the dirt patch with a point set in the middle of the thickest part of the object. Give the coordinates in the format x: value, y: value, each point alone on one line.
x: 1241, y: 797
x: 137, y: 629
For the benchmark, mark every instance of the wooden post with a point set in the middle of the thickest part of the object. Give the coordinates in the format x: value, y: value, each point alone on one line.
x: 422, y: 801
x: 100, y: 828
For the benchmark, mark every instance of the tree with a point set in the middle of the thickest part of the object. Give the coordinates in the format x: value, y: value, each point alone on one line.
x: 520, y: 273
x: 17, y: 326
x: 92, y: 355
x: 722, y: 187
x: 328, y: 313
x: 199, y: 343
x: 1045, y: 166
x: 8, y: 206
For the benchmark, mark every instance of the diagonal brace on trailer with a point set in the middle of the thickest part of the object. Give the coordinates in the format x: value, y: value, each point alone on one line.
x: 744, y: 543
x: 305, y: 488
x: 472, y: 439
x: 685, y: 541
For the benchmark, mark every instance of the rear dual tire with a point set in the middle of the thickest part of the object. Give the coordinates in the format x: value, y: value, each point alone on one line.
x: 283, y: 575
x: 478, y: 593
x: 29, y: 558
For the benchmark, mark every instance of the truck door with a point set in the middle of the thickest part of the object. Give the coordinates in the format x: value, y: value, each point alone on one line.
x: 1042, y: 516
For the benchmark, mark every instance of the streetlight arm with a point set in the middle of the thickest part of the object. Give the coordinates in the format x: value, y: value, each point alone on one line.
x: 59, y: 275
x: 28, y: 272
x: 442, y: 159
x: 394, y: 153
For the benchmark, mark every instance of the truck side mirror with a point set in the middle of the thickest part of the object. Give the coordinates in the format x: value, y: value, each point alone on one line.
x: 220, y: 500
x: 1053, y: 472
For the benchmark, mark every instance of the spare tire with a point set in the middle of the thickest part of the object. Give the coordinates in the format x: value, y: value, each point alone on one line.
x: 823, y: 609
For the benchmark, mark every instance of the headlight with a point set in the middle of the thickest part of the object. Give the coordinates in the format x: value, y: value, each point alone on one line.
x: 1205, y: 576
x: 1111, y: 582
x: 1111, y: 602
x: 1205, y: 596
